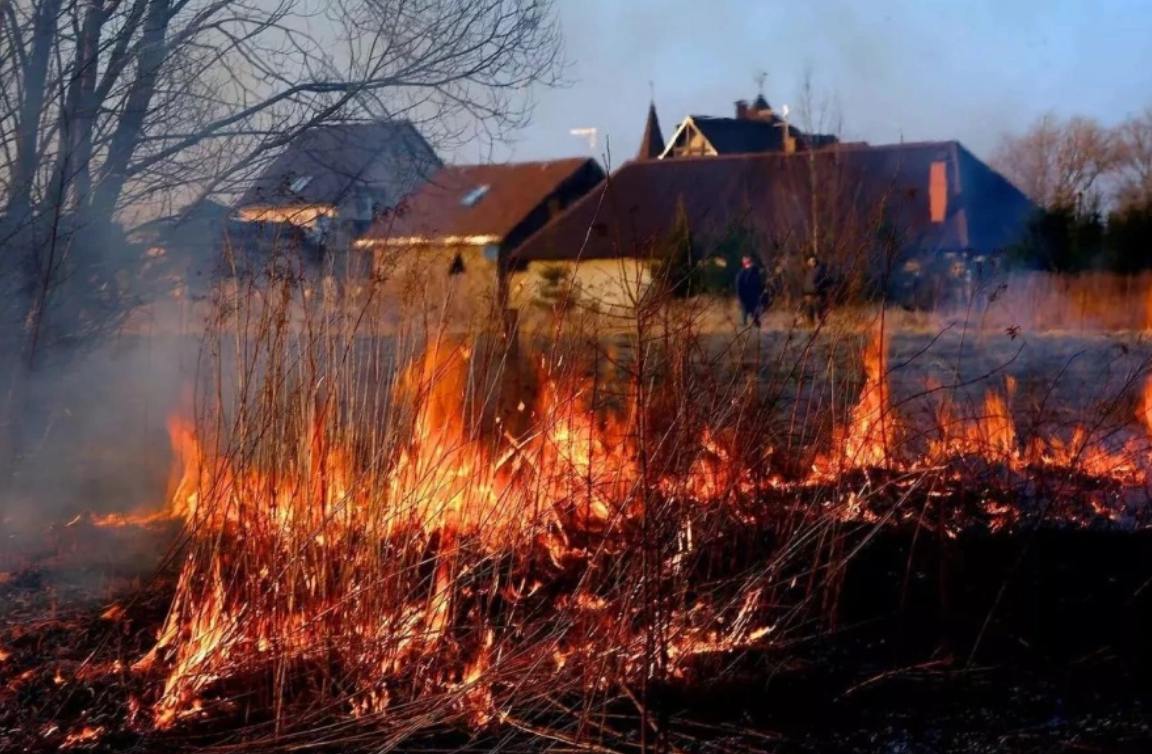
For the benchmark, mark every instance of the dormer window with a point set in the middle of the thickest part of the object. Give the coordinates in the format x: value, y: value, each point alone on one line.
x: 475, y: 195
x: 300, y: 183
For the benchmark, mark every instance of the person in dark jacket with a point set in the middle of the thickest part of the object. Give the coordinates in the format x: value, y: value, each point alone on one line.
x: 816, y: 285
x: 750, y: 291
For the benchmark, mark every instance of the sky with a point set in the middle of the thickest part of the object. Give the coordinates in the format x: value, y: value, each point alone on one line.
x: 885, y: 70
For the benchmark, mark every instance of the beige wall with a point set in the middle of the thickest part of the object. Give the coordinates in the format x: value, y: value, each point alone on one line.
x: 417, y: 281
x: 605, y: 286
x: 412, y: 287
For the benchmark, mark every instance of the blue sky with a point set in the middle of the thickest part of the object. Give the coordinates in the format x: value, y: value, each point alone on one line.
x: 920, y: 70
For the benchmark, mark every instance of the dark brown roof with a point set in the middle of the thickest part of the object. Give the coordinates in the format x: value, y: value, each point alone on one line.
x: 770, y: 195
x: 484, y: 200
x: 652, y: 142
x: 323, y: 165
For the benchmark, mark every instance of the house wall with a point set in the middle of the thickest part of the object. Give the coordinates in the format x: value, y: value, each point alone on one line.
x: 997, y: 212
x: 604, y: 286
x: 300, y: 215
x: 419, y: 281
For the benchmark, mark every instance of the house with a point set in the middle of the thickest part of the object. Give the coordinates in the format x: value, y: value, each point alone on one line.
x: 756, y: 127
x: 318, y: 194
x: 857, y: 206
x: 333, y: 179
x: 187, y: 253
x: 458, y: 230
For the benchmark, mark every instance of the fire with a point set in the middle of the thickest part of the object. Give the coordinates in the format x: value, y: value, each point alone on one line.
x: 85, y: 735
x: 406, y: 565
x: 870, y: 435
x: 448, y: 501
x: 183, y: 489
x: 869, y: 438
x: 445, y: 478
x: 997, y: 425
x: 587, y: 464
x: 990, y: 434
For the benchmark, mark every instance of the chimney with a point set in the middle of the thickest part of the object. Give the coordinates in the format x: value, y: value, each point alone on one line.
x: 760, y: 109
x: 742, y: 109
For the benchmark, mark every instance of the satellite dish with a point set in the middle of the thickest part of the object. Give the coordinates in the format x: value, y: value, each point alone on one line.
x: 784, y: 111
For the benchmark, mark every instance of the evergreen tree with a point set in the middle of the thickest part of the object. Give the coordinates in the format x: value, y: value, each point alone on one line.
x: 677, y: 268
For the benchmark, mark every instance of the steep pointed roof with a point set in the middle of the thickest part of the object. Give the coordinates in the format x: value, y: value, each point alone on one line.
x: 652, y: 142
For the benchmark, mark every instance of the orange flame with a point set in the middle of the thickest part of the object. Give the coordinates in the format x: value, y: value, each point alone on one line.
x: 373, y: 548
x: 869, y: 437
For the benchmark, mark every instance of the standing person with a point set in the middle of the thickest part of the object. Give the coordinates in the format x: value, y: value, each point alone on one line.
x: 816, y: 284
x: 750, y: 291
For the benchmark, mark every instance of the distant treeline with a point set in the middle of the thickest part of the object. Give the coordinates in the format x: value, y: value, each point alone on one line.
x: 1094, y: 184
x: 1066, y: 240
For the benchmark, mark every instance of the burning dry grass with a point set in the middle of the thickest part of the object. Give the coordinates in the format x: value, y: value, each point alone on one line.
x: 449, y: 574
x: 461, y: 572
x: 1042, y: 301
x: 391, y: 541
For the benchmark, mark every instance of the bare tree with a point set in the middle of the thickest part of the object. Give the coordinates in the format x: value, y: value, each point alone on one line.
x: 1059, y: 163
x: 112, y: 111
x: 111, y: 108
x: 1134, y: 160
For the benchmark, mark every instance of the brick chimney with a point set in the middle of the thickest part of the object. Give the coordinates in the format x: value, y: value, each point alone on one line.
x: 742, y: 109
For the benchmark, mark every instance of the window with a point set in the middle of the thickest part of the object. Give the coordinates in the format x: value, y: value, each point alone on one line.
x: 457, y: 266
x: 300, y: 183
x: 475, y: 195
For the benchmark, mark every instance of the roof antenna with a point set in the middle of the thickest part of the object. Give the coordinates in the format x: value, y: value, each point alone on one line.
x: 651, y: 91
x: 761, y: 77
x: 591, y: 134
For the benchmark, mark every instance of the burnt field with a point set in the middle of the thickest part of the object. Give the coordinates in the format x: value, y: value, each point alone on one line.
x: 886, y: 541
x: 1022, y: 640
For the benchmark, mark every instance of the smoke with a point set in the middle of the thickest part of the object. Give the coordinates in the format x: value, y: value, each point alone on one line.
x: 86, y: 430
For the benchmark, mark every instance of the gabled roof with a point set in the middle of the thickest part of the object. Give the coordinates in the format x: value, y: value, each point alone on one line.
x: 325, y: 164
x: 481, y: 203
x: 738, y: 136
x: 770, y: 195
x: 652, y: 142
x: 745, y: 135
